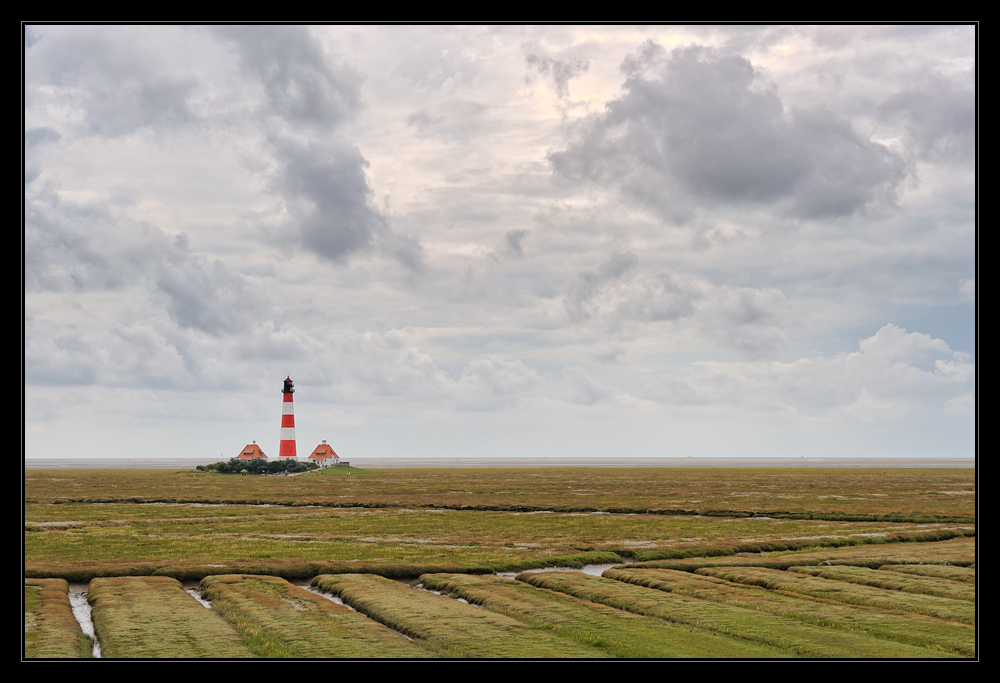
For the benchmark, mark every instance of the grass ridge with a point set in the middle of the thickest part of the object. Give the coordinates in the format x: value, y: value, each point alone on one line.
x: 833, y: 516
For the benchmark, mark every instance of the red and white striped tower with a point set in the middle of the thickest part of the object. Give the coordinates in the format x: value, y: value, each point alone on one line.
x: 287, y: 449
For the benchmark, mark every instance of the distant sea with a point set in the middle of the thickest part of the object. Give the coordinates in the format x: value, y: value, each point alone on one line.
x: 373, y: 462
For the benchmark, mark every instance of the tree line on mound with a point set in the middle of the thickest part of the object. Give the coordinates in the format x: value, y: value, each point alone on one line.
x: 258, y: 466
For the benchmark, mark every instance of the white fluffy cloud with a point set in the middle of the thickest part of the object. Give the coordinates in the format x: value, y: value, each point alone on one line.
x: 894, y: 374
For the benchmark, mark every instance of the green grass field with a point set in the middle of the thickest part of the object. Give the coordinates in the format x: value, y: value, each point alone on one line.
x: 901, y: 627
x: 616, y: 632
x: 50, y: 629
x: 738, y: 563
x: 787, y: 636
x: 279, y: 620
x: 929, y: 605
x: 963, y: 574
x: 152, y: 617
x: 81, y: 524
x: 867, y: 495
x: 943, y: 588
x: 449, y: 627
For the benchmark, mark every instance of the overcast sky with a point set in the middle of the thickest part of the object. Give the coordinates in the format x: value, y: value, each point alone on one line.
x: 464, y: 241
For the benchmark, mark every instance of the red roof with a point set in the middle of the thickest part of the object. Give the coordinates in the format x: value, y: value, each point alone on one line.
x: 251, y: 451
x: 322, y: 452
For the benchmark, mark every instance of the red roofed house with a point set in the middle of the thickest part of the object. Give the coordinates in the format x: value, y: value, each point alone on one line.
x: 324, y: 455
x: 251, y: 451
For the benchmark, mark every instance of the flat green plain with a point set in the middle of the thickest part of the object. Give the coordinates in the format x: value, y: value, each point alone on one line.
x: 140, y: 521
x: 932, y: 495
x: 838, y: 533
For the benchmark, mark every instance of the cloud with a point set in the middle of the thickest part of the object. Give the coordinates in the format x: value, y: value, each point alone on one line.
x: 330, y: 203
x: 423, y: 121
x: 37, y: 136
x: 110, y: 80
x: 512, y: 240
x: 967, y: 290
x: 78, y: 247
x: 405, y: 249
x: 385, y: 362
x: 325, y: 188
x: 584, y: 389
x: 617, y: 293
x: 961, y: 406
x: 893, y: 375
x: 30, y: 37
x: 511, y: 246
x: 72, y: 247
x: 321, y: 177
x: 454, y: 120
x: 938, y: 117
x: 558, y: 73
x: 200, y: 213
x: 300, y: 82
x: 694, y: 124
x: 209, y: 296
x: 620, y: 293
x: 491, y: 383
x: 898, y: 345
x: 869, y: 408
x: 140, y: 354
x: 750, y: 320
x: 114, y: 81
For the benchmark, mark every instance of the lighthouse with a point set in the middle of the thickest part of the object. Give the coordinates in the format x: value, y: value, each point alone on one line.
x: 287, y: 449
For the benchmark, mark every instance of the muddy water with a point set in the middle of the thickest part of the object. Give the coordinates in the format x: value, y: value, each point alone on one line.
x: 191, y: 588
x: 81, y: 610
x: 331, y: 598
x: 592, y: 569
x: 421, y: 586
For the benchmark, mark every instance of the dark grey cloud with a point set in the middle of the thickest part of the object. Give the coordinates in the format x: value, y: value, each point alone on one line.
x: 325, y: 187
x: 405, y: 249
x: 327, y: 192
x: 938, y: 116
x: 694, y: 124
x: 558, y: 73
x: 114, y: 83
x: 301, y: 84
x: 209, y: 297
x: 37, y: 136
x: 109, y: 80
x: 321, y: 177
x: 512, y: 240
x: 60, y: 252
x: 751, y: 321
x: 79, y: 248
